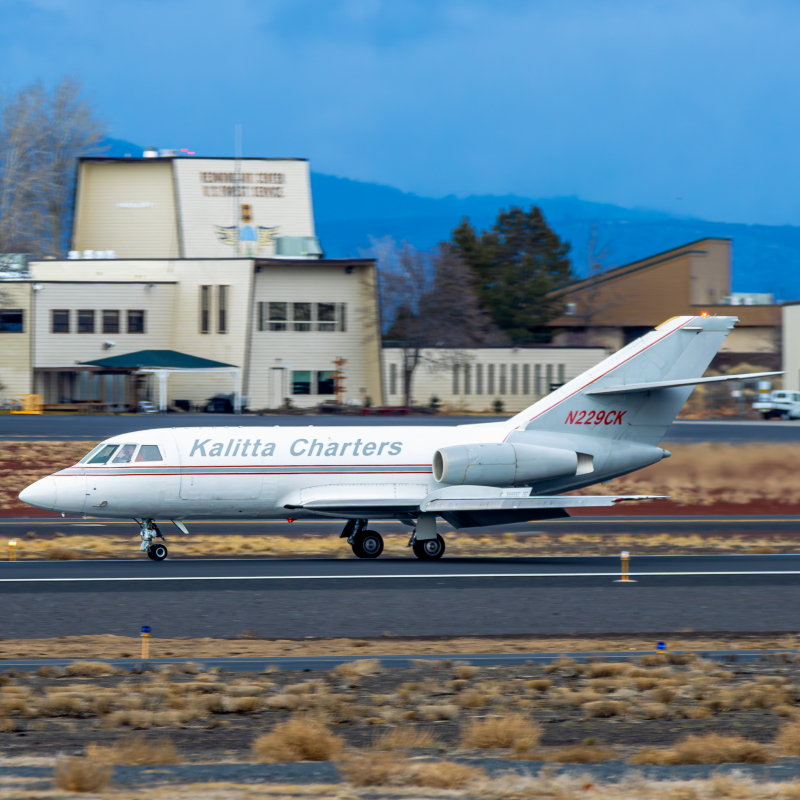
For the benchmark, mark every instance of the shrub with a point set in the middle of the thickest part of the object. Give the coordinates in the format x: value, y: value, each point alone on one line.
x: 713, y: 748
x: 433, y: 713
x: 539, y: 684
x: 443, y: 775
x: 81, y: 775
x: 608, y: 670
x: 137, y: 751
x: 299, y: 739
x: 375, y: 769
x: 514, y: 731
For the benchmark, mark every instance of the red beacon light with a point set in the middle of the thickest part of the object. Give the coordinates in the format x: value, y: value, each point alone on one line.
x: 704, y: 313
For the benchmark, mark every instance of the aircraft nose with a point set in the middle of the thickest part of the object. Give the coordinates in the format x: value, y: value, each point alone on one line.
x: 41, y: 494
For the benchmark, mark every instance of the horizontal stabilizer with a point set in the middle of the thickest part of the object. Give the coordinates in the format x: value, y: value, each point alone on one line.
x: 650, y: 386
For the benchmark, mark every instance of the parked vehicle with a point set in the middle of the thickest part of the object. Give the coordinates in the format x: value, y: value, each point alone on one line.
x: 146, y: 407
x: 222, y: 404
x: 780, y: 404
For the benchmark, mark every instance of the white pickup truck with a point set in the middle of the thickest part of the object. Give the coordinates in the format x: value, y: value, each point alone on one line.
x: 780, y: 404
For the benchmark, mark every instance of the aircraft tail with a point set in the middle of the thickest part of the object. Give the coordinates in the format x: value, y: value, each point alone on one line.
x: 636, y: 393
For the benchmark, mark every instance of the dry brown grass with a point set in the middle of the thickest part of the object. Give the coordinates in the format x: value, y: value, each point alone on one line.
x: 575, y: 754
x: 81, y: 775
x: 298, y: 739
x: 61, y: 554
x: 465, y: 672
x: 90, y: 669
x: 359, y: 669
x: 605, y: 708
x: 514, y: 730
x: 788, y: 739
x: 389, y: 769
x: 406, y: 737
x: 713, y: 748
x: 136, y: 751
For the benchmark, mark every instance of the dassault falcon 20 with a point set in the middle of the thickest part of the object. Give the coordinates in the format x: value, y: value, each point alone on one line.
x: 603, y: 424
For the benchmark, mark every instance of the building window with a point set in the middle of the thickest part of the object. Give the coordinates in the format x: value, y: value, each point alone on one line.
x: 278, y: 313
x: 326, y: 316
x: 343, y: 317
x: 325, y: 382
x: 136, y: 322
x: 85, y: 321
x: 455, y: 379
x: 205, y: 309
x: 526, y: 379
x: 301, y: 315
x: 515, y: 379
x: 222, y: 309
x: 301, y: 382
x: 60, y: 321
x: 11, y: 320
x: 549, y: 377
x: 110, y: 321
x: 503, y: 387
x: 562, y: 374
x: 467, y: 379
x: 490, y: 379
x: 479, y: 379
x: 537, y: 380
x: 392, y: 378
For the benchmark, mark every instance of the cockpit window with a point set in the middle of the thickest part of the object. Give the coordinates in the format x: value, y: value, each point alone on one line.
x: 125, y: 454
x: 103, y: 454
x: 149, y: 452
x: 91, y: 453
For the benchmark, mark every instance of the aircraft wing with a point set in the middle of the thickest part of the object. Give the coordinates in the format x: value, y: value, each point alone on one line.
x: 467, y: 512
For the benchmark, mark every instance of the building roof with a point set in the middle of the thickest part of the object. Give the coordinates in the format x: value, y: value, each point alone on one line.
x: 155, y: 359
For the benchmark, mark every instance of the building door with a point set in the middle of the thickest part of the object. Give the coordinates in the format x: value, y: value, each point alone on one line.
x: 278, y: 388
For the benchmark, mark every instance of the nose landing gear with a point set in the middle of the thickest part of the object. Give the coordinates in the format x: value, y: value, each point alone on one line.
x: 149, y: 531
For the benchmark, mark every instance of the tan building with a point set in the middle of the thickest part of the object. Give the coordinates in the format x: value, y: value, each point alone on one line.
x: 485, y: 378
x: 284, y: 322
x: 616, y: 306
x: 181, y: 207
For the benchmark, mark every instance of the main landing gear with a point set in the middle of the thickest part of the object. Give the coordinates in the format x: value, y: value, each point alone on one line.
x: 365, y: 544
x: 149, y: 531
x: 369, y: 544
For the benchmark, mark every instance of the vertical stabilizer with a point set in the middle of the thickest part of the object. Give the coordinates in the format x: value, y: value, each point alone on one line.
x: 679, y: 349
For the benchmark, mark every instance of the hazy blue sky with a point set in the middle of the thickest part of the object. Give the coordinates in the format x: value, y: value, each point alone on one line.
x: 691, y: 107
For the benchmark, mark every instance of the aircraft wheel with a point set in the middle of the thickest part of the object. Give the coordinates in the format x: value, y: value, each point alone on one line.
x: 158, y: 552
x: 429, y: 549
x: 368, y: 544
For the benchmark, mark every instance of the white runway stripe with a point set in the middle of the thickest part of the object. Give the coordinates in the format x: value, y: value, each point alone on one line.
x: 435, y: 576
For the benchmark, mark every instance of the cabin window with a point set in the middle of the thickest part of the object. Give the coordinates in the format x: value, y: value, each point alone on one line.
x: 125, y: 454
x: 106, y: 451
x: 149, y: 452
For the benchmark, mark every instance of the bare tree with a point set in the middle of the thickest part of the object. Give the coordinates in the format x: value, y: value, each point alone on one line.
x: 42, y: 133
x: 431, y: 301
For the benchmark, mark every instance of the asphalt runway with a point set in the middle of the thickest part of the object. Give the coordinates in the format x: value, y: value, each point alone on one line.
x: 292, y: 598
x: 679, y: 525
x: 96, y: 427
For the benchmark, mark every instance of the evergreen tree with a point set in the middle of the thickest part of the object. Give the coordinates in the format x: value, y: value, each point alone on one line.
x: 516, y: 264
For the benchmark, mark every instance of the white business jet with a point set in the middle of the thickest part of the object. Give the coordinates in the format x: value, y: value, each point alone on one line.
x: 603, y: 424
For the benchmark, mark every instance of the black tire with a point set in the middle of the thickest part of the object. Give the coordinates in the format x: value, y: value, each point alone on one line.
x: 368, y: 544
x: 158, y: 552
x: 429, y: 549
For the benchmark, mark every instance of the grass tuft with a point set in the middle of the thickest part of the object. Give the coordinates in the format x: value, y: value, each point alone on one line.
x: 89, y: 669
x: 713, y: 748
x: 359, y: 669
x: 137, y: 751
x: 299, y: 739
x: 402, y: 738
x: 81, y: 775
x: 514, y: 730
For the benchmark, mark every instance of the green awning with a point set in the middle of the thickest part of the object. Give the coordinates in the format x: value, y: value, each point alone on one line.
x: 156, y: 359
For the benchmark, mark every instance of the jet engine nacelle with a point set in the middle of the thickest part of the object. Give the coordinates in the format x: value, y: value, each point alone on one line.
x: 501, y: 464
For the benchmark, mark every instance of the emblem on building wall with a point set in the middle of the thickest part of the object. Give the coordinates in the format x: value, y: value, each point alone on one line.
x: 247, y: 237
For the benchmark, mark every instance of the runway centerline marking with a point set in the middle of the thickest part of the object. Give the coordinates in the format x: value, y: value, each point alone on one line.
x: 616, y: 574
